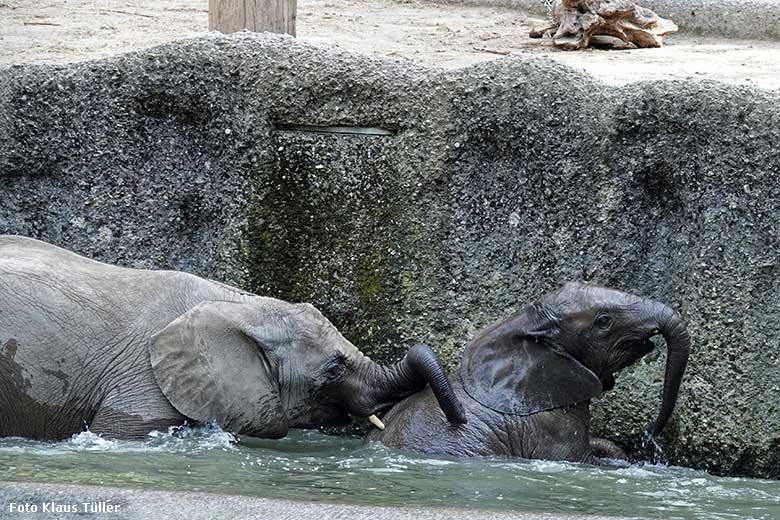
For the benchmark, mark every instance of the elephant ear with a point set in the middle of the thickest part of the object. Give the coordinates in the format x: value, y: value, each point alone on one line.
x: 509, y: 369
x: 212, y: 365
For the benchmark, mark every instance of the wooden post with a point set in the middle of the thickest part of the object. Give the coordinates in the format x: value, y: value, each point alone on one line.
x: 229, y: 16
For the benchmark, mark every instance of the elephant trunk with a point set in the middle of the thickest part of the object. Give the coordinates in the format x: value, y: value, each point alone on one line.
x: 383, y: 386
x: 678, y: 344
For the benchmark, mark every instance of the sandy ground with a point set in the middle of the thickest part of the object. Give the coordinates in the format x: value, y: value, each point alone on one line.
x: 446, y: 35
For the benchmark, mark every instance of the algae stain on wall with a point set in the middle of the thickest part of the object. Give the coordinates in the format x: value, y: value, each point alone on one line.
x: 323, y: 228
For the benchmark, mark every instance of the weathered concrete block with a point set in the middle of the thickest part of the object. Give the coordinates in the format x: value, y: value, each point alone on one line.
x: 498, y: 183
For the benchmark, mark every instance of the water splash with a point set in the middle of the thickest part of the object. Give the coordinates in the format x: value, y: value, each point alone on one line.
x: 653, y: 450
x: 187, y: 438
x: 177, y: 439
x: 88, y: 441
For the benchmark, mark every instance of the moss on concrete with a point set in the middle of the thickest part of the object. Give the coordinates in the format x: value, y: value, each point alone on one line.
x: 322, y: 228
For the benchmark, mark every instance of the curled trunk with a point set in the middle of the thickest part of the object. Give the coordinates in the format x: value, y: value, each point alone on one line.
x: 678, y: 343
x: 382, y: 386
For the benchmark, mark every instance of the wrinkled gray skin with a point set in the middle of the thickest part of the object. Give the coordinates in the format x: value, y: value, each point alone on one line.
x: 526, y: 381
x: 126, y: 351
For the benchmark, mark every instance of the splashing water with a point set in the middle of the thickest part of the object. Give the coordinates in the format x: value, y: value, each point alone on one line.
x: 653, y: 450
x: 313, y: 466
x: 185, y: 439
x: 178, y: 439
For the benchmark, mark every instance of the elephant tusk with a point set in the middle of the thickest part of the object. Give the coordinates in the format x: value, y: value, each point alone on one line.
x: 373, y: 419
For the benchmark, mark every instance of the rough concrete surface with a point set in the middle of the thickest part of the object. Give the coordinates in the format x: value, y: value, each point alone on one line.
x: 500, y: 182
x: 137, y: 504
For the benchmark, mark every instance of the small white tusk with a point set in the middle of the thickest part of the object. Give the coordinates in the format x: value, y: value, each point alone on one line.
x: 373, y: 419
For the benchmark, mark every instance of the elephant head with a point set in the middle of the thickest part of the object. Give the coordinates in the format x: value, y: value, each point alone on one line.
x: 566, y: 348
x: 263, y: 366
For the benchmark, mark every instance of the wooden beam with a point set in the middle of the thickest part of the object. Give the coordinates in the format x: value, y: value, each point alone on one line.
x: 228, y: 16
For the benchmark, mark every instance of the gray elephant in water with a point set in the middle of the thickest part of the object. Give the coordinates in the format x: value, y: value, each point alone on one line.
x: 526, y: 381
x: 126, y: 351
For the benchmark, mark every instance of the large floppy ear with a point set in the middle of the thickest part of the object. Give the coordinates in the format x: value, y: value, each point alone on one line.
x: 509, y: 369
x: 214, y: 363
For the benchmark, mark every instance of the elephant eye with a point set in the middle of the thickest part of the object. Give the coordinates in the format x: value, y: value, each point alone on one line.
x: 603, y: 321
x: 335, y: 368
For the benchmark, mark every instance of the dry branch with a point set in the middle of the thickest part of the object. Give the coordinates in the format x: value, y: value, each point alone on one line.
x: 493, y: 51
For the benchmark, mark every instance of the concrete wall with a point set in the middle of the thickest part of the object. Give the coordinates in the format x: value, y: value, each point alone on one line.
x: 498, y: 183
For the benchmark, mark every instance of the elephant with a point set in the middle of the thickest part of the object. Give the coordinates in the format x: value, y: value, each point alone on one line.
x: 526, y: 381
x: 126, y: 351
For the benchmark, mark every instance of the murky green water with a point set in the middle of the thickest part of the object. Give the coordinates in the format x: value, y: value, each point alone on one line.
x: 312, y: 466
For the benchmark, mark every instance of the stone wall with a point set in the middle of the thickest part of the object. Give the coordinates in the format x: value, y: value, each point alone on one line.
x: 496, y: 184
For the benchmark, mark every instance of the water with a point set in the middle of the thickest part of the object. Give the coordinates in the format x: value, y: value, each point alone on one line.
x: 316, y: 467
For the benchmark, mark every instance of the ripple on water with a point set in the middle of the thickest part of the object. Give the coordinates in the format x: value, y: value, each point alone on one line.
x: 313, y: 466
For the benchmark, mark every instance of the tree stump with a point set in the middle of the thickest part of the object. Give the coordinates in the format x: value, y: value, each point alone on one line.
x: 582, y: 20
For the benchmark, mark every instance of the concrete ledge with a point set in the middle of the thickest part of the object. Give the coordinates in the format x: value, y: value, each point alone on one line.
x: 743, y: 19
x: 748, y: 19
x: 136, y: 503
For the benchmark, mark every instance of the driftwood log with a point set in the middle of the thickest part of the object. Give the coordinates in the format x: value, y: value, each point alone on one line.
x: 580, y: 21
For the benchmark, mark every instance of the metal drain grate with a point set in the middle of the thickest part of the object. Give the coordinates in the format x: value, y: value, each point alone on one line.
x: 348, y: 130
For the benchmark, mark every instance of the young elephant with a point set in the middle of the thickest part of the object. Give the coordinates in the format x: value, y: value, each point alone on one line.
x: 526, y: 381
x: 126, y: 351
